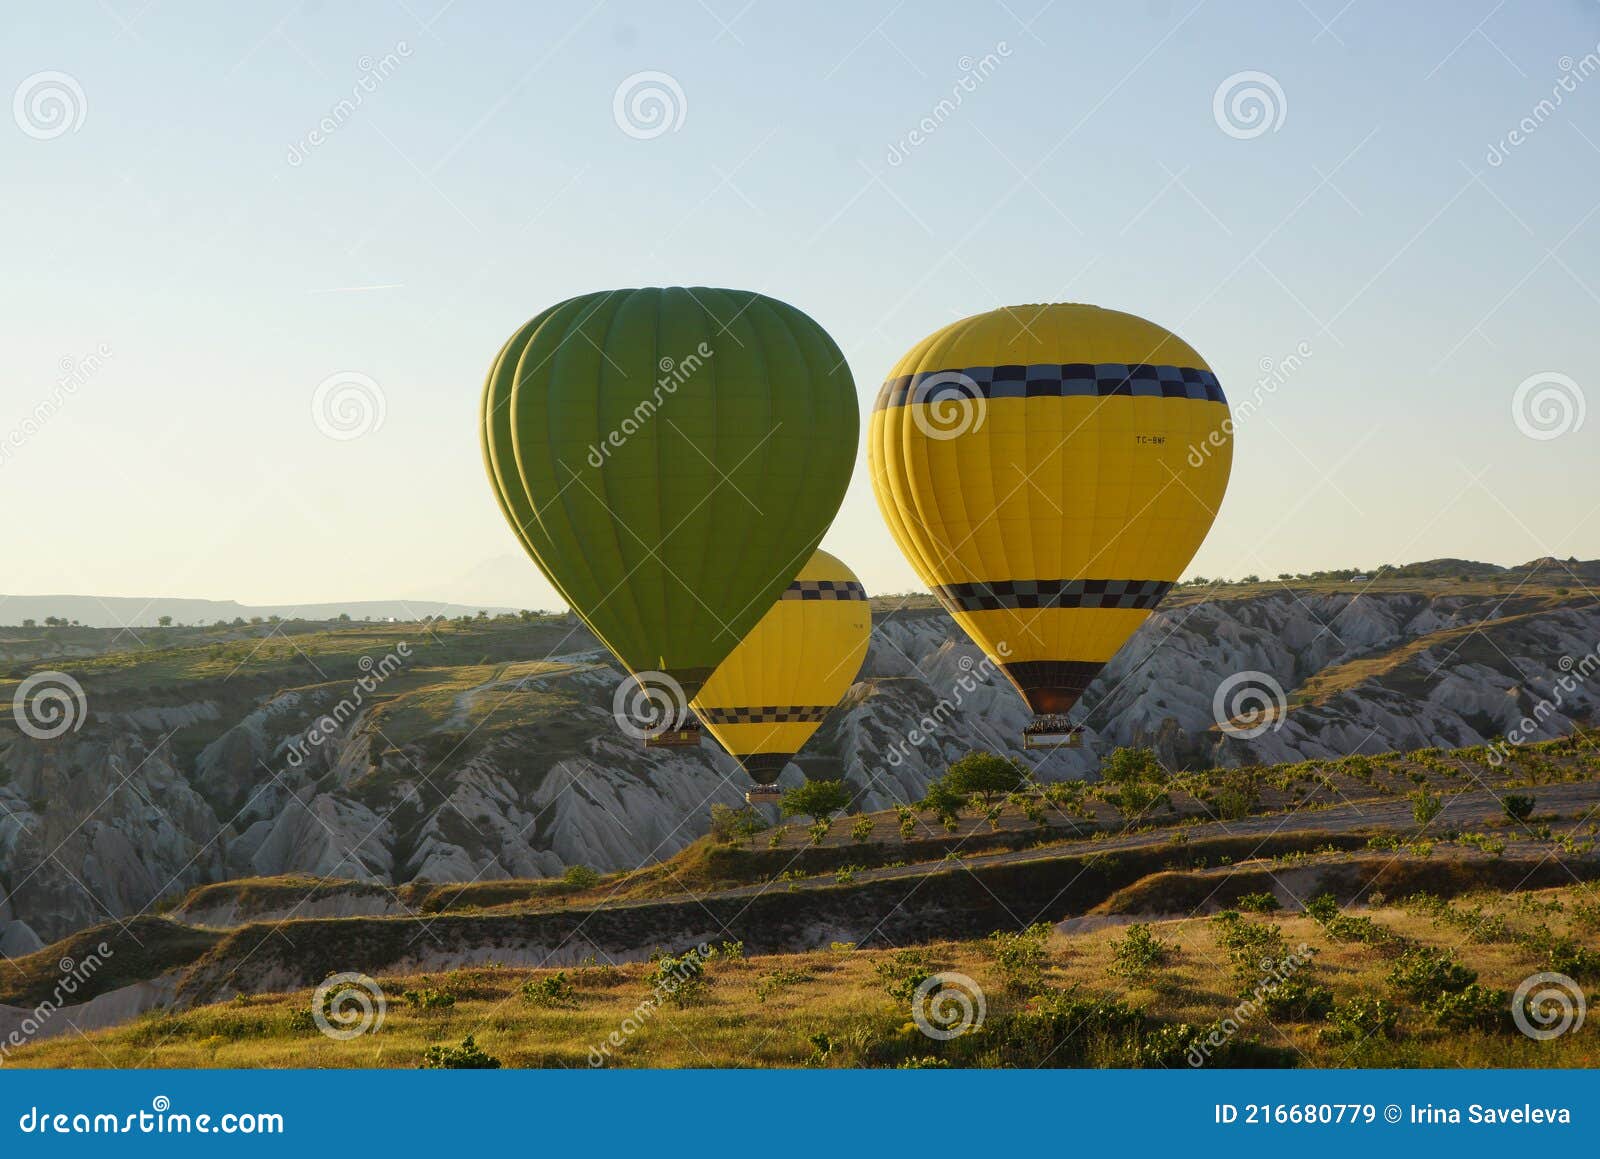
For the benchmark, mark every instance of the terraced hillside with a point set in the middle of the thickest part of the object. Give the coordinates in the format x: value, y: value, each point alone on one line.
x: 1399, y: 899
x: 484, y: 750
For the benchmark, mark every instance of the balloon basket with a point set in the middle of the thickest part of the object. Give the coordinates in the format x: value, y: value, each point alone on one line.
x: 763, y: 795
x: 687, y: 737
x: 1052, y: 732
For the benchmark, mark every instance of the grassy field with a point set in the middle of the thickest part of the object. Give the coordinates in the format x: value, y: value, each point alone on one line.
x: 1404, y: 982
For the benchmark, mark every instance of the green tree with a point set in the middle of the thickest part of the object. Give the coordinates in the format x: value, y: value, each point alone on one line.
x: 819, y: 800
x: 986, y: 774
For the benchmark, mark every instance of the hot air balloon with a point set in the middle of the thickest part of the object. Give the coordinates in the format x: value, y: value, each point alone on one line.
x: 670, y: 458
x: 1049, y: 471
x: 772, y: 692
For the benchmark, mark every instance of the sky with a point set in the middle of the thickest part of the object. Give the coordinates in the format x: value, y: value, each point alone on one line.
x: 261, y: 255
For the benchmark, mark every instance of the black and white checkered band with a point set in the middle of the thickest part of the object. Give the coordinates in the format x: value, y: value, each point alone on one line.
x: 1052, y: 380
x: 1080, y: 593
x: 769, y: 714
x: 824, y: 590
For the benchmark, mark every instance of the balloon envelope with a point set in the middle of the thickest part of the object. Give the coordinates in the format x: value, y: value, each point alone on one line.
x: 670, y: 458
x: 1049, y: 471
x: 764, y: 702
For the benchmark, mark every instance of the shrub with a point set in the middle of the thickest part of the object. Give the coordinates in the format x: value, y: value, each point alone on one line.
x: 581, y: 877
x: 1473, y: 1007
x: 735, y: 824
x: 861, y: 830
x: 1425, y: 806
x: 1258, y: 903
x: 908, y: 821
x: 429, y: 998
x: 903, y: 971
x: 467, y: 1056
x: 1359, y: 1019
x: 944, y: 803
x: 1297, y: 1000
x: 776, y: 981
x: 681, y: 981
x: 1138, y: 952
x: 818, y: 831
x: 552, y: 990
x: 1425, y: 972
x: 1517, y: 806
x: 1022, y: 957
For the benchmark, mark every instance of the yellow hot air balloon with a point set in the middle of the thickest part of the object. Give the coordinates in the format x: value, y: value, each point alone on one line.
x: 1049, y: 471
x: 772, y: 692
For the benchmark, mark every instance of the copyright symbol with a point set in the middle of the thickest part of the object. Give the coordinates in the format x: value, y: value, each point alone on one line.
x: 1392, y: 1113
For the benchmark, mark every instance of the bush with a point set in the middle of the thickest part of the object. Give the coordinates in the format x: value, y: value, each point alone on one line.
x: 1359, y: 1019
x: 429, y: 999
x: 776, y: 981
x: 903, y: 971
x: 1473, y: 1007
x: 1517, y: 806
x: 1138, y: 952
x: 944, y: 803
x: 1258, y: 903
x: 729, y: 825
x: 908, y: 821
x: 581, y: 877
x: 861, y: 830
x: 1297, y: 1000
x: 1425, y: 806
x: 1022, y: 957
x: 680, y: 981
x: 467, y: 1056
x: 551, y: 991
x: 1424, y: 972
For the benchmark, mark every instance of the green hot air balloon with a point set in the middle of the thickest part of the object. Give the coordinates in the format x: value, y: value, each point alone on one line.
x: 670, y: 458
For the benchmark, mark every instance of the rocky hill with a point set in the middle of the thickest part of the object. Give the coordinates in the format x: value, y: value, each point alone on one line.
x: 485, y: 749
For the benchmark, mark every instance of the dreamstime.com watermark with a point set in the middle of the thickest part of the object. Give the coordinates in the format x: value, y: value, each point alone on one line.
x: 1274, y: 973
x: 1548, y: 1005
x: 647, y: 104
x: 349, y: 1005
x: 674, y: 373
x: 49, y: 704
x: 973, y: 676
x: 647, y: 703
x: 75, y: 374
x: 1247, y: 704
x: 373, y: 74
x: 48, y: 105
x: 331, y: 724
x: 1249, y: 104
x: 160, y: 1119
x: 73, y: 976
x: 973, y: 74
x: 347, y: 405
x: 684, y: 970
x: 1548, y: 405
x: 1274, y: 373
x: 1573, y: 74
x: 1574, y: 674
x: 948, y: 1005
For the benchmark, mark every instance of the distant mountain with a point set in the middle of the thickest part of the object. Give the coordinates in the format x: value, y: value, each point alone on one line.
x: 137, y: 612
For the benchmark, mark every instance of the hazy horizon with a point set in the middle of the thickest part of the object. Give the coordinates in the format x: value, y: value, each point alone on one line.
x: 267, y: 257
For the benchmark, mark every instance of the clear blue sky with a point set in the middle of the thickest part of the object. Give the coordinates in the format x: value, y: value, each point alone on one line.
x: 485, y: 177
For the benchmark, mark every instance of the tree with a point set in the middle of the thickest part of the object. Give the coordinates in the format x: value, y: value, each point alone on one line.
x: 164, y: 621
x: 1139, y: 778
x: 819, y: 800
x: 944, y: 803
x: 986, y: 774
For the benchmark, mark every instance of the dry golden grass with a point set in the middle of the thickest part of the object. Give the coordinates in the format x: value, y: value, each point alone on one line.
x: 834, y: 1009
